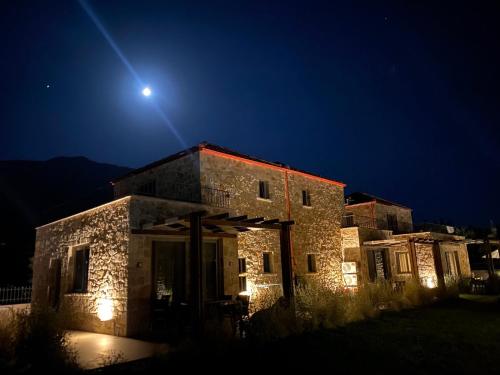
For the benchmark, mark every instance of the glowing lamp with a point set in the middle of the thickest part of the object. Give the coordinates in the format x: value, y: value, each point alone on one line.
x: 105, y: 309
x: 429, y: 283
x: 146, y: 91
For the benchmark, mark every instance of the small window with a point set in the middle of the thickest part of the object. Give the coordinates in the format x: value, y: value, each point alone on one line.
x: 264, y: 189
x: 267, y: 263
x: 392, y: 222
x: 311, y: 263
x: 242, y: 265
x: 306, y: 198
x: 149, y: 188
x: 81, y: 271
x: 403, y: 262
x: 243, y: 283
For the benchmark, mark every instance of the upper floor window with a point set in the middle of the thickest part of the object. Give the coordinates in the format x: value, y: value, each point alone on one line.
x: 311, y: 263
x: 267, y: 263
x: 264, y: 189
x: 306, y: 198
x: 148, y: 188
x: 81, y: 270
x: 403, y: 262
x: 392, y: 222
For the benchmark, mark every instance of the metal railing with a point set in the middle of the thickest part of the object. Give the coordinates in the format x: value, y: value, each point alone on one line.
x: 215, y: 197
x: 15, y: 294
x: 195, y: 194
x: 352, y: 220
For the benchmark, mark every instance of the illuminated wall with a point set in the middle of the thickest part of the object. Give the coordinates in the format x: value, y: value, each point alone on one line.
x: 105, y: 231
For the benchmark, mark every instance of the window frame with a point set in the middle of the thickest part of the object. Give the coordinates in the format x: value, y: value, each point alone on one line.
x: 84, y: 278
x: 312, y: 265
x: 270, y: 268
x: 264, y: 190
x: 306, y: 198
x: 406, y: 256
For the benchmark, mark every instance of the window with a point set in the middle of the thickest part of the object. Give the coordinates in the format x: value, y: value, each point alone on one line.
x: 149, y: 188
x: 81, y: 270
x: 264, y: 189
x: 306, y: 198
x: 243, y: 283
x: 242, y: 269
x: 311, y: 263
x: 378, y: 265
x: 267, y: 263
x: 403, y: 262
x: 392, y: 222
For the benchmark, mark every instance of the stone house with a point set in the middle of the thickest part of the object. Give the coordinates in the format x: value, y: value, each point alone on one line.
x: 208, y: 224
x: 195, y: 227
x: 379, y: 241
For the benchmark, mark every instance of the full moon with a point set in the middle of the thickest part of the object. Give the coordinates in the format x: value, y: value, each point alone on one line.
x: 146, y: 91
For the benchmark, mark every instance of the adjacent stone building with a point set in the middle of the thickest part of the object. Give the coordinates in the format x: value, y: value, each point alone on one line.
x: 379, y: 243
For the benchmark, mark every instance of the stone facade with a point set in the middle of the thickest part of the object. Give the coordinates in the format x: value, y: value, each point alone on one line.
x: 316, y: 230
x: 177, y: 179
x: 376, y: 215
x: 361, y: 238
x: 121, y: 257
x: 105, y: 231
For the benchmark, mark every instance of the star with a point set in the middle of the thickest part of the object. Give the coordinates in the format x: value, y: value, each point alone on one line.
x: 47, y: 86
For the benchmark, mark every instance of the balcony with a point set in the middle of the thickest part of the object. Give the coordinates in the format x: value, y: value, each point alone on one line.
x: 191, y: 193
x: 215, y: 197
x: 399, y: 227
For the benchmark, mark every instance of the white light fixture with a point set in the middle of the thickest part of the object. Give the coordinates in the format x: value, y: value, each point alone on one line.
x: 105, y: 309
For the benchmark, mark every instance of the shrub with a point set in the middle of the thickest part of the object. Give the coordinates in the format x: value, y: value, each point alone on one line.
x: 318, y: 307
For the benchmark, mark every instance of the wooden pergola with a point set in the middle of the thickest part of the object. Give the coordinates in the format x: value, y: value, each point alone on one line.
x: 200, y: 224
x: 428, y: 238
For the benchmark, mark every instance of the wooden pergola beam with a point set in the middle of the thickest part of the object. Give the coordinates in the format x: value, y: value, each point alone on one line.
x: 230, y: 223
x: 183, y: 233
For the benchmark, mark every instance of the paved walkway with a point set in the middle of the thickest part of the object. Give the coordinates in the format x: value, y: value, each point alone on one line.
x: 95, y: 350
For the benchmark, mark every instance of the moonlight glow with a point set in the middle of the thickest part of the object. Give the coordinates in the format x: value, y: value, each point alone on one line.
x: 146, y: 91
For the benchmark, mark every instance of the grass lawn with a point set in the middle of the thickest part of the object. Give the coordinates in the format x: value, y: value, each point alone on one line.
x: 461, y: 336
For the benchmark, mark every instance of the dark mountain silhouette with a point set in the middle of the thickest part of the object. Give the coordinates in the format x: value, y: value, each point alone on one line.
x: 33, y: 193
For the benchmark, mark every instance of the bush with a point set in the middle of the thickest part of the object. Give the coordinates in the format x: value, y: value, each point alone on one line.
x: 36, y: 341
x: 318, y: 307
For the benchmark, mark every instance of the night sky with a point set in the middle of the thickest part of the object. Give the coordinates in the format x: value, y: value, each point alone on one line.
x: 401, y: 101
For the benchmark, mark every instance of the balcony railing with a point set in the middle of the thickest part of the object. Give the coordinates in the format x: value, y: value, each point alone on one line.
x: 191, y: 193
x: 375, y: 223
x: 215, y: 197
x: 15, y: 294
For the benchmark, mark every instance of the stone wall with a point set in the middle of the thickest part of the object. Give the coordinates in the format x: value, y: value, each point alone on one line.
x: 425, y: 264
x: 378, y: 212
x: 317, y: 228
x: 404, y: 216
x: 178, y: 179
x: 105, y: 230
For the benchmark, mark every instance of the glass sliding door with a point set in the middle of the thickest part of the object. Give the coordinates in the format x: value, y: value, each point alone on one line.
x: 211, y: 271
x: 170, y: 271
